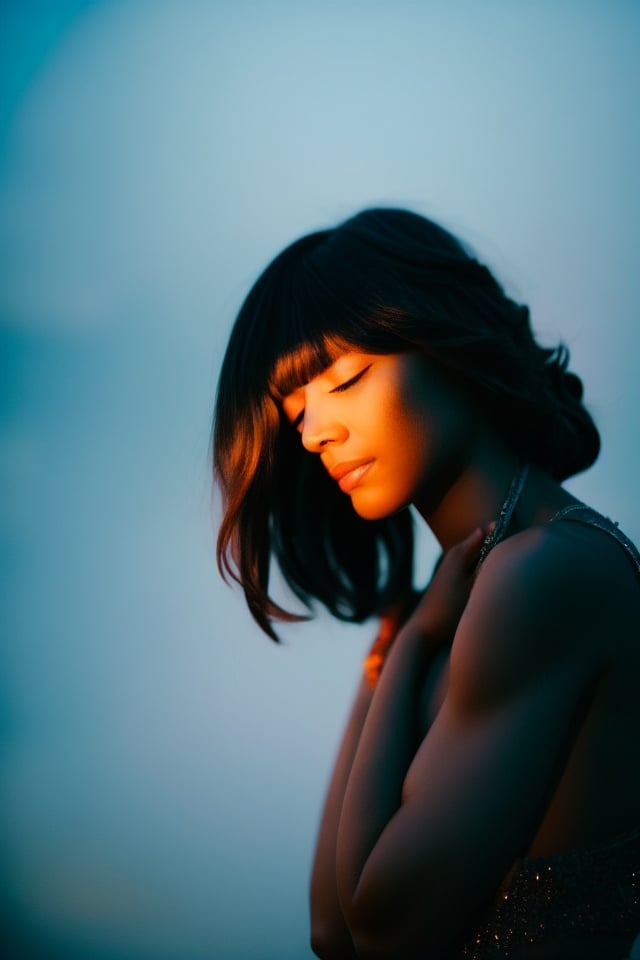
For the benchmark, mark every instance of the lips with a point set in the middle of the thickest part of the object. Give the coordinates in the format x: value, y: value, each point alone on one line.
x: 349, y: 473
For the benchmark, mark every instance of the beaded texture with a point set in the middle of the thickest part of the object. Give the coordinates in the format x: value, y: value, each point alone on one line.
x: 593, y: 891
x: 499, y: 532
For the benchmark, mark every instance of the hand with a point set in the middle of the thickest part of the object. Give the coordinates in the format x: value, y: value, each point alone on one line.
x: 438, y: 611
x: 434, y: 613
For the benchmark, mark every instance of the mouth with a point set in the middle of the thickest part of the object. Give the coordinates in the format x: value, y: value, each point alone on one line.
x: 349, y: 474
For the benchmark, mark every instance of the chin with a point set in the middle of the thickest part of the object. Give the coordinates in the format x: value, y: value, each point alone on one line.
x: 374, y: 507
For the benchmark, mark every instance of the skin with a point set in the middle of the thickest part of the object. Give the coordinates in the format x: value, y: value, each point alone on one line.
x: 505, y: 722
x: 415, y: 430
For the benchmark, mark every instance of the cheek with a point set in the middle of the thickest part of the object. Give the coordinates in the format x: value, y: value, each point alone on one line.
x: 438, y: 436
x: 417, y: 437
x: 439, y: 411
x: 403, y: 459
x: 416, y: 422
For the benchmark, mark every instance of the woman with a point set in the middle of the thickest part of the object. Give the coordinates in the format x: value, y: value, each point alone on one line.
x: 485, y: 801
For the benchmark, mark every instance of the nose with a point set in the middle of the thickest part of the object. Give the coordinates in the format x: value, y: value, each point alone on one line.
x: 320, y: 431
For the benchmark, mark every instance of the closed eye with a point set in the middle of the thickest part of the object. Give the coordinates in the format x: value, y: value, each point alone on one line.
x: 339, y: 389
x: 350, y: 383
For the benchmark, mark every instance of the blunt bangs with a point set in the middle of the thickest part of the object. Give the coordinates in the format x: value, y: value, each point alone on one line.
x: 315, y: 304
x: 304, y: 362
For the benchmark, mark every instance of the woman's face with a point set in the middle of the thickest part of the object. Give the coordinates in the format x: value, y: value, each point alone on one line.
x: 388, y: 429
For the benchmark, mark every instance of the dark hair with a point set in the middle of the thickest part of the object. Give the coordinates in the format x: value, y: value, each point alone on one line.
x: 385, y: 281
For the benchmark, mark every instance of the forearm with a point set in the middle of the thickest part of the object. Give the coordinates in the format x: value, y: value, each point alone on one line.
x: 385, y: 749
x: 330, y: 937
x: 393, y: 731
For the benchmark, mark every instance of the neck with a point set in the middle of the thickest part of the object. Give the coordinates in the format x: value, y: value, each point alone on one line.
x: 477, y: 494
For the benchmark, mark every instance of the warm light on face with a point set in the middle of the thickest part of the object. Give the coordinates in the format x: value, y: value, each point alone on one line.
x: 386, y: 426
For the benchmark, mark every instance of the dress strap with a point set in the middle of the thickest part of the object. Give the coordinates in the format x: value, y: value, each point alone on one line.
x: 580, y: 513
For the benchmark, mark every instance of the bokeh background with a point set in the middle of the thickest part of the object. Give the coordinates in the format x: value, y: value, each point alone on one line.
x: 163, y: 764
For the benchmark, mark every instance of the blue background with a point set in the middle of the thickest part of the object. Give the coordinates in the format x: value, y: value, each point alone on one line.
x: 163, y: 763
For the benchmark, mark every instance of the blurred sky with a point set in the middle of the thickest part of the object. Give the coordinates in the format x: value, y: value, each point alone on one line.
x: 163, y: 764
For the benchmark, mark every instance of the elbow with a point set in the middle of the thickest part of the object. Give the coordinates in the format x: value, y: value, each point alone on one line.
x: 369, y: 947
x: 328, y: 944
x: 319, y: 945
x: 373, y: 940
x: 331, y: 941
x: 370, y: 944
x: 379, y: 937
x: 322, y: 944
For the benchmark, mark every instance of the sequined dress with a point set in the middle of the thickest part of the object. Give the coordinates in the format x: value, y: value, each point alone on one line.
x: 587, y: 892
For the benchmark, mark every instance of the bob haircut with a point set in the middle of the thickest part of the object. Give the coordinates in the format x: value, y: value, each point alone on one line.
x: 384, y: 281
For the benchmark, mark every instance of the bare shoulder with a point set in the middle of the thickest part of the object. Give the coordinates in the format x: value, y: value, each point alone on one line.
x: 548, y: 603
x: 565, y: 572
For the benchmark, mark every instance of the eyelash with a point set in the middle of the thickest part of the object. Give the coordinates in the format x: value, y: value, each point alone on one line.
x: 341, y: 388
x: 350, y: 383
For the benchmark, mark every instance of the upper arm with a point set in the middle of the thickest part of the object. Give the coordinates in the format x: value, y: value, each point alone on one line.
x: 480, y: 781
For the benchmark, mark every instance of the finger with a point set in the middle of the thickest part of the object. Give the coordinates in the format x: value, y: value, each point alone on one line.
x: 475, y: 540
x: 472, y: 545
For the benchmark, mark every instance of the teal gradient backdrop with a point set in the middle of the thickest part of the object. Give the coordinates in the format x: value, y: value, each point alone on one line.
x: 163, y: 764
